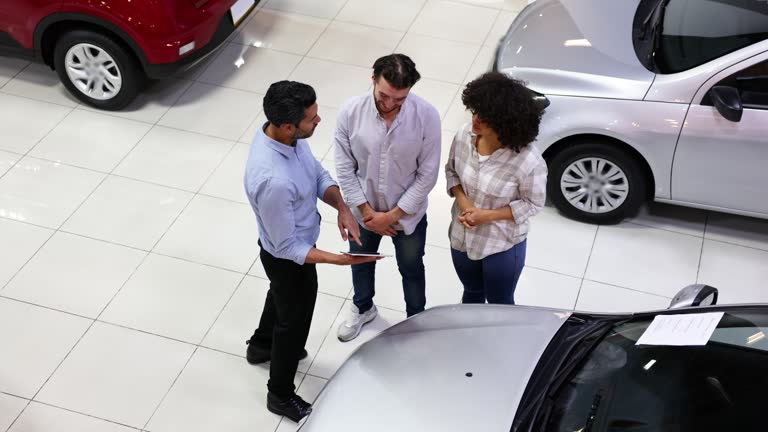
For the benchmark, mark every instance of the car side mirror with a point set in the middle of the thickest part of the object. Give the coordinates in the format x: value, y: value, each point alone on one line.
x: 694, y: 295
x: 727, y: 102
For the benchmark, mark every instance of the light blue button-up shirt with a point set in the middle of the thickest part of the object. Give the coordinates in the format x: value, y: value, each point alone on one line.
x: 283, y: 184
x: 388, y: 167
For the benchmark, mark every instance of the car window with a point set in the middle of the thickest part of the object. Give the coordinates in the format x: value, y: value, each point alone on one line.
x: 693, y: 32
x: 752, y: 84
x: 623, y: 386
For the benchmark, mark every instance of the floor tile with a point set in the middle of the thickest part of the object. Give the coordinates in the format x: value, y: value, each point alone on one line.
x: 454, y: 21
x: 739, y: 273
x: 227, y: 180
x: 511, y: 5
x: 334, y: 83
x: 558, y: 244
x: 282, y: 31
x: 653, y: 261
x: 333, y: 353
x: 9, y: 67
x: 20, y: 242
x: 235, y: 401
x: 10, y: 408
x: 500, y: 27
x: 75, y: 274
x: 154, y: 101
x: 38, y: 81
x: 318, y: 8
x: 173, y: 298
x: 45, y: 193
x: 227, y: 229
x: 483, y: 63
x: 393, y: 14
x: 30, y: 356
x: 215, y: 111
x: 39, y: 417
x: 546, y: 289
x: 438, y: 93
x: 457, y: 115
x: 174, y: 158
x: 354, y: 44
x: 249, y: 68
x: 128, y: 212
x: 683, y: 220
x: 739, y: 230
x: 116, y: 374
x: 24, y: 122
x: 598, y: 297
x: 7, y: 160
x: 241, y: 317
x: 439, y: 216
x: 439, y: 59
x: 91, y: 140
x: 309, y: 389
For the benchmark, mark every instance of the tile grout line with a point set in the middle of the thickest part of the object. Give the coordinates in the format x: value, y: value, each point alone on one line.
x: 586, y: 267
x: 80, y: 413
x: 16, y: 74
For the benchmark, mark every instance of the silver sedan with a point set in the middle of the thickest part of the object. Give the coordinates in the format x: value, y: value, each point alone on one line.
x: 495, y: 368
x: 648, y: 99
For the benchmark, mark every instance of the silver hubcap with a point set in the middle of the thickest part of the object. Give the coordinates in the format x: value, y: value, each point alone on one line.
x: 594, y: 185
x: 93, y: 71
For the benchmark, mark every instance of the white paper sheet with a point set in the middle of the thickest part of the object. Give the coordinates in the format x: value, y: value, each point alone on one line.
x: 681, y: 330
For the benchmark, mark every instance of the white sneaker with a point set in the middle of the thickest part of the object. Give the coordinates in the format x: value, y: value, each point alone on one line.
x: 350, y: 328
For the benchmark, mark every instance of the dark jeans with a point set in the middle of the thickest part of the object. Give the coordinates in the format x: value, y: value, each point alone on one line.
x: 492, y: 278
x: 285, y: 321
x: 409, y: 252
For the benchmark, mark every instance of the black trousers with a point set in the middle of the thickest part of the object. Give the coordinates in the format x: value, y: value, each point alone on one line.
x: 285, y: 321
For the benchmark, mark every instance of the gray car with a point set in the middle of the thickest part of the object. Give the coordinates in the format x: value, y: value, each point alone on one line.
x: 649, y: 99
x: 491, y: 368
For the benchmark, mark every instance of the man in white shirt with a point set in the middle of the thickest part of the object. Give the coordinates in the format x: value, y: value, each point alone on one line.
x: 387, y: 149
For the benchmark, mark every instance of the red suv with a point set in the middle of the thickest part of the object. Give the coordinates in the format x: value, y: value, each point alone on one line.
x: 103, y: 50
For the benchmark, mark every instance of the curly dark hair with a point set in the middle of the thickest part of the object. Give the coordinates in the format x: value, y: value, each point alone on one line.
x: 507, y: 106
x: 286, y: 102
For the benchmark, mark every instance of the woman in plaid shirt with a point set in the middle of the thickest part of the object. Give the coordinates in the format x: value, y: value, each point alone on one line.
x: 499, y: 180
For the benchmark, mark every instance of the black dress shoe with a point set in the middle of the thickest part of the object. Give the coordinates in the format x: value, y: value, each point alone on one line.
x: 294, y: 407
x: 256, y: 355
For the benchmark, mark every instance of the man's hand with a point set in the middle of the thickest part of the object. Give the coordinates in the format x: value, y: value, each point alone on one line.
x: 348, y: 226
x: 381, y: 223
x: 344, y: 259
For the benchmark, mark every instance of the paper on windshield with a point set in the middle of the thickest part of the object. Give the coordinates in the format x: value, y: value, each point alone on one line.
x: 681, y: 330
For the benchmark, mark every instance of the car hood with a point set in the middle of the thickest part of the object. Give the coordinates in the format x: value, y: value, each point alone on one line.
x: 413, y: 376
x: 570, y: 48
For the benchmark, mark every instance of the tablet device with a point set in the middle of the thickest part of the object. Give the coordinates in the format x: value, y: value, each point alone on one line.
x: 365, y: 254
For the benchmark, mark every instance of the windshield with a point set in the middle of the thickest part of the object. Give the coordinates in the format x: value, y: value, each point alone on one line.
x: 676, y: 35
x: 621, y: 386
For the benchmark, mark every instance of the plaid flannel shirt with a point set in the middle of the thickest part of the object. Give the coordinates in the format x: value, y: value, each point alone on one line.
x: 507, y: 178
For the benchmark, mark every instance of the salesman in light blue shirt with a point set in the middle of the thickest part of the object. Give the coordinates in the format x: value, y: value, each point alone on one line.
x: 283, y: 181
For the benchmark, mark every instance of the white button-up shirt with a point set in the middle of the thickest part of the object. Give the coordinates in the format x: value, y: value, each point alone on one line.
x: 388, y: 167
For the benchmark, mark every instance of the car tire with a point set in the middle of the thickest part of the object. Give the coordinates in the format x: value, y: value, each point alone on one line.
x: 596, y: 182
x: 97, y: 70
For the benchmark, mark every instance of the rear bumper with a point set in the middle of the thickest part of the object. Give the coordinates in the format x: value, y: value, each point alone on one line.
x: 223, y: 30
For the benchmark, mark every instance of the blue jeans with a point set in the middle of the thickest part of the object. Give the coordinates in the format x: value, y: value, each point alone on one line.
x: 409, y: 252
x: 492, y: 278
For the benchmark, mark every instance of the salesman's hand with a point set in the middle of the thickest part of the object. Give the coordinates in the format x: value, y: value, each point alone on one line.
x: 345, y: 259
x: 473, y: 217
x: 380, y: 223
x: 348, y: 226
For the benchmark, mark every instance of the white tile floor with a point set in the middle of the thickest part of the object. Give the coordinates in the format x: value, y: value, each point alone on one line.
x: 128, y: 272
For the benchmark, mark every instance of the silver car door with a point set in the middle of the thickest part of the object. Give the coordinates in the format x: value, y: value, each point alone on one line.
x: 721, y: 163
